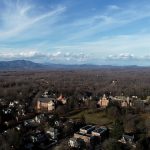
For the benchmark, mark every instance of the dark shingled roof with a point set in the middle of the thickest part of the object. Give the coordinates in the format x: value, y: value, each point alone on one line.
x: 46, y: 99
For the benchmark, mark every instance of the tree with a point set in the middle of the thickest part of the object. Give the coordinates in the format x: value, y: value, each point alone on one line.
x: 117, y: 129
x: 113, y: 111
x: 143, y: 144
x: 3, y: 144
x: 68, y: 129
x: 82, y: 118
x: 112, y: 144
x: 130, y: 123
x: 61, y: 109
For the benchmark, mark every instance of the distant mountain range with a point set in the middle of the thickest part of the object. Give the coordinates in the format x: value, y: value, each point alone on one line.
x: 29, y: 65
x: 20, y: 65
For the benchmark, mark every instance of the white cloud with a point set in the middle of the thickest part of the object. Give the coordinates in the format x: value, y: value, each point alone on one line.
x: 35, y: 55
x: 135, y: 43
x: 20, y: 55
x: 18, y: 18
x: 128, y: 57
x: 106, y: 21
x: 122, y: 56
x: 113, y: 7
x: 56, y: 54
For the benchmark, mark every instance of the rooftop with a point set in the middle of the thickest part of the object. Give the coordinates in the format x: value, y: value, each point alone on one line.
x: 46, y: 99
x: 83, y: 134
x: 100, y: 130
x: 87, y: 127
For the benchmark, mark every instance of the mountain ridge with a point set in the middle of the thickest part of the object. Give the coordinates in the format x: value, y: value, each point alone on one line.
x: 30, y: 65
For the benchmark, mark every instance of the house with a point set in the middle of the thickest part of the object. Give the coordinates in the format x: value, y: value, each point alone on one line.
x: 128, y: 139
x: 58, y: 123
x: 87, y: 129
x: 135, y: 102
x: 37, y: 137
x: 103, y: 102
x: 124, y: 104
x: 127, y: 103
x: 46, y: 104
x: 53, y: 133
x: 100, y: 134
x: 45, y: 94
x: 99, y: 131
x: 74, y: 143
x: 62, y: 99
x: 85, y: 137
x: 123, y: 101
x: 37, y: 140
x: 11, y: 104
x: 29, y: 122
x: 40, y: 118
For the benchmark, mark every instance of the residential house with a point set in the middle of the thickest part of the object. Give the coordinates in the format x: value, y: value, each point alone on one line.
x: 100, y: 132
x: 128, y: 139
x: 132, y: 102
x: 85, y: 137
x: 123, y: 101
x: 127, y: 103
x: 103, y: 102
x: 74, y: 143
x: 30, y: 122
x: 11, y: 104
x: 45, y: 94
x: 46, y: 104
x: 62, y: 99
x: 37, y: 140
x: 53, y: 133
x: 40, y: 118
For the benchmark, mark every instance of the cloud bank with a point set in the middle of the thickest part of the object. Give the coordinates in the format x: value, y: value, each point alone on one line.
x: 58, y: 56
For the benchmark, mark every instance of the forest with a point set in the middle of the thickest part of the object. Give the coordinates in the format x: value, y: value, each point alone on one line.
x: 24, y: 86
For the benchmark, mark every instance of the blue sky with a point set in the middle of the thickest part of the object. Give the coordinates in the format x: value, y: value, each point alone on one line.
x: 105, y: 32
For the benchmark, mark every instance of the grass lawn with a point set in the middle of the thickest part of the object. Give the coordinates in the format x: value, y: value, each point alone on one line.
x: 146, y: 119
x: 95, y: 117
x: 145, y: 116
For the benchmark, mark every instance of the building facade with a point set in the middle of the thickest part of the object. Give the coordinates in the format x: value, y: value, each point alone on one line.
x: 103, y: 102
x: 45, y: 104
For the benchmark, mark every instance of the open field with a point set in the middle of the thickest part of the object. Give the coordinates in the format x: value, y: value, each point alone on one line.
x: 94, y: 117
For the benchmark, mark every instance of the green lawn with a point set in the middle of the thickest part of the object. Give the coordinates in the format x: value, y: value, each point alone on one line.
x: 146, y: 118
x: 95, y: 117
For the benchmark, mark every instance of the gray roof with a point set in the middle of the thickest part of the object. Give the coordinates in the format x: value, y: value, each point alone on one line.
x: 46, y: 99
x: 87, y: 127
x: 100, y: 130
x: 128, y: 137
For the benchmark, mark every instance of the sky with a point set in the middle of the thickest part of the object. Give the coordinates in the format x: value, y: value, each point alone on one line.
x: 103, y: 32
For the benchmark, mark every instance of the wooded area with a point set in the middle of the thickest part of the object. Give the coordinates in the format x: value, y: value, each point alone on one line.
x: 23, y: 86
